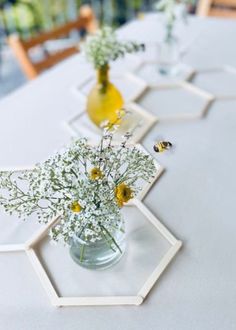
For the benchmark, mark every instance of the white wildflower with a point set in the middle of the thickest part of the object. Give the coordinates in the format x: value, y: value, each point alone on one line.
x: 63, y: 185
x: 104, y: 47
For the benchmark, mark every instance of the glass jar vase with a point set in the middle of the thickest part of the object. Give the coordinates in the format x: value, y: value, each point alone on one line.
x: 104, y: 100
x: 102, y: 253
x: 168, y: 56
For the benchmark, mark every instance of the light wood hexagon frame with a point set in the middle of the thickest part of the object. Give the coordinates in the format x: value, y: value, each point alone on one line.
x: 183, y: 76
x: 225, y: 69
x: 145, y: 123
x: 189, y: 87
x: 56, y: 300
x: 141, y: 85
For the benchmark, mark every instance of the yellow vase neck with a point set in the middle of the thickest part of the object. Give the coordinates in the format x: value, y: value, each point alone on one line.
x: 103, y: 76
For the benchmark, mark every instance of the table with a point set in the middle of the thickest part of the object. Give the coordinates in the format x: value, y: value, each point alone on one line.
x: 195, y: 198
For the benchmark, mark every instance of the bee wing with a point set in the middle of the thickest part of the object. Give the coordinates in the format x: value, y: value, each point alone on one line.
x: 172, y: 149
x: 158, y: 138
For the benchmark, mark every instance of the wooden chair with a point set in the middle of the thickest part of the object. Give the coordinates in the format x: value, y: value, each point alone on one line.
x: 21, y: 48
x: 217, y: 8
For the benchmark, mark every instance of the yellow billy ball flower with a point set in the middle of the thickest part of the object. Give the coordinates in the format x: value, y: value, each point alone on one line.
x: 123, y: 194
x: 96, y: 173
x: 76, y: 207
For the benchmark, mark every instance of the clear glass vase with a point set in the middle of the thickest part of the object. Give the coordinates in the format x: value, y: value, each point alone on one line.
x: 100, y: 254
x: 104, y: 100
x: 168, y: 56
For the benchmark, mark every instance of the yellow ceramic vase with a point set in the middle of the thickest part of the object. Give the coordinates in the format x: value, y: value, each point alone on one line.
x: 104, y: 100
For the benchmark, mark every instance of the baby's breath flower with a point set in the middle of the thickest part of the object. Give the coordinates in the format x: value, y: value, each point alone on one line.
x: 173, y: 10
x: 104, y: 123
x: 104, y: 47
x: 86, y: 185
x: 121, y: 113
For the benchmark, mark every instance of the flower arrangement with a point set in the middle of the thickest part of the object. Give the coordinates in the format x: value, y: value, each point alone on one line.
x: 104, y: 99
x: 86, y: 185
x: 170, y: 9
x: 104, y: 47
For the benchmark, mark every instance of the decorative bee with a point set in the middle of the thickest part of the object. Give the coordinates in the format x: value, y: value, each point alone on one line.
x: 162, y: 146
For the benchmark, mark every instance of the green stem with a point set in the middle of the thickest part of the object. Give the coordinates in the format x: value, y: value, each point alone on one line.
x: 111, y: 237
x: 82, y: 253
x: 75, y: 174
x: 120, y: 229
x: 108, y: 243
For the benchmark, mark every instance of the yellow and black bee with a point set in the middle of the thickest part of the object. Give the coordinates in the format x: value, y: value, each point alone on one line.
x: 162, y: 146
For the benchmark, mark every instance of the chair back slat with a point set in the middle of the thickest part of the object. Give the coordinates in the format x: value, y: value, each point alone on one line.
x: 224, y: 13
x: 226, y: 3
x: 55, y: 58
x: 55, y: 33
x: 23, y: 57
x: 21, y: 48
x: 217, y: 8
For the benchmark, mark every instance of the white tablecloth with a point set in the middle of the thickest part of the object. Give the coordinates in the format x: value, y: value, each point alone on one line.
x: 195, y: 198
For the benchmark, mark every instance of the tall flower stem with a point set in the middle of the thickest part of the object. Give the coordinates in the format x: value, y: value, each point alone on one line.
x: 82, y: 253
x: 111, y: 237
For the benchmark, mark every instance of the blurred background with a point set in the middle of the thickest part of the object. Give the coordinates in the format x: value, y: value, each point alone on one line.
x: 29, y: 18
